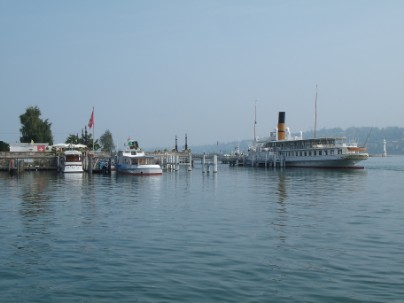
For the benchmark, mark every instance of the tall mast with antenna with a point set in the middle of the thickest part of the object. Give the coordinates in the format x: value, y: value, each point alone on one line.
x: 255, y: 122
x: 315, y: 115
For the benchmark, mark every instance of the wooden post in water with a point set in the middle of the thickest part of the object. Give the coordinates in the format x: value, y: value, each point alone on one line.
x: 11, y: 166
x: 214, y: 163
x: 190, y: 162
x: 20, y: 167
x: 90, y: 164
x: 177, y: 162
x: 203, y: 163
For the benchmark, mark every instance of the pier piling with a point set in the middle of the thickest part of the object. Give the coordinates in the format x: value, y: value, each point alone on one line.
x: 214, y: 163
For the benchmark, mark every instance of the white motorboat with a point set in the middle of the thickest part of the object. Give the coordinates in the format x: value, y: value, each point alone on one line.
x: 134, y: 161
x: 72, y: 161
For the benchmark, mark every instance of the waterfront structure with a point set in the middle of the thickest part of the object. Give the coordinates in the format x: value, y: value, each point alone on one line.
x: 30, y: 147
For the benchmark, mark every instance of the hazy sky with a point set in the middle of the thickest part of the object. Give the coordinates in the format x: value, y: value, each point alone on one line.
x: 156, y: 69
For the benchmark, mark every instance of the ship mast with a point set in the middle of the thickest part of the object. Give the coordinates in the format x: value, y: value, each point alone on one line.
x: 315, y: 115
x: 255, y: 122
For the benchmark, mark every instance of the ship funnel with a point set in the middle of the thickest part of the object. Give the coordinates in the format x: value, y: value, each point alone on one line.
x: 281, y: 126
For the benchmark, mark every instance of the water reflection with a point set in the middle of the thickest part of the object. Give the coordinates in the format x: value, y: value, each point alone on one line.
x: 281, y: 191
x: 317, y: 183
x: 133, y: 187
x: 305, y: 193
x: 34, y: 194
x: 73, y: 179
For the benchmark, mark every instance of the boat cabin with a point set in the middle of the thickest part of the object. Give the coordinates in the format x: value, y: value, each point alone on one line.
x: 73, y: 158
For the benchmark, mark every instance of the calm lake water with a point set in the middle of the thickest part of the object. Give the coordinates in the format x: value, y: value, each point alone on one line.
x: 241, y: 235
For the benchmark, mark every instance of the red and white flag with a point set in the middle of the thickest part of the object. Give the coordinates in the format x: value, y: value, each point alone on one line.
x: 40, y: 148
x: 91, y: 122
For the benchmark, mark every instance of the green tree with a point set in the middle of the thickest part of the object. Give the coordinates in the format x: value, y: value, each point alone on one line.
x: 34, y: 128
x: 73, y: 139
x: 86, y: 139
x: 4, y: 146
x: 106, y: 142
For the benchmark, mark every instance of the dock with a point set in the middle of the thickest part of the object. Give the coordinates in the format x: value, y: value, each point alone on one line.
x: 18, y: 162
x: 101, y: 163
x: 27, y: 161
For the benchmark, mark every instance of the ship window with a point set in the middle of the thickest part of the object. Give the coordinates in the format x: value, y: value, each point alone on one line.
x: 320, y: 152
x: 305, y: 153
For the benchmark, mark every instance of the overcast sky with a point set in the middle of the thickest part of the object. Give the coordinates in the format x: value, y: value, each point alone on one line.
x: 156, y: 69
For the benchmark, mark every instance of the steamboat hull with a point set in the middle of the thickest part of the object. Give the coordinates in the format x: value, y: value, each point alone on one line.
x: 347, y: 161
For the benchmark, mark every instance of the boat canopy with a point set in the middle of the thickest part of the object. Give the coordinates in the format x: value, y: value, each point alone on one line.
x: 304, y: 143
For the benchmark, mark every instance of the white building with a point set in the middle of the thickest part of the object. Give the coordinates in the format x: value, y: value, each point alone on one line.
x: 30, y: 147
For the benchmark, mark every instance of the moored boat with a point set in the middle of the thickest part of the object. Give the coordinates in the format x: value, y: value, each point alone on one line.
x: 72, y: 161
x: 284, y: 150
x: 134, y: 161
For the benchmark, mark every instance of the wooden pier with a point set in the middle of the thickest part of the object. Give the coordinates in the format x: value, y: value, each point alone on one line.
x: 27, y: 161
x: 18, y: 162
x: 100, y: 163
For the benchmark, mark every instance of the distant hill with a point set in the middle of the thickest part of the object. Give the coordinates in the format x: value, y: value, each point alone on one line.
x: 372, y: 138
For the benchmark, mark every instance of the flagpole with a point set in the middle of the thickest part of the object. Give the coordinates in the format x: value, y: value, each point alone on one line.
x: 315, y: 115
x: 93, y: 128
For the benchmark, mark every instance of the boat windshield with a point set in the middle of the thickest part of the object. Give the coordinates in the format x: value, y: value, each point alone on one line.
x: 73, y: 158
x: 143, y: 161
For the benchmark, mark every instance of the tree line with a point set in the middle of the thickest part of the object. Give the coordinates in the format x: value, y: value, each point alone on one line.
x: 35, y: 129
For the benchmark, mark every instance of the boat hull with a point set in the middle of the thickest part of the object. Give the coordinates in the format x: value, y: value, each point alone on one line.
x: 73, y: 168
x: 139, y: 170
x: 324, y: 164
x: 338, y: 161
x: 346, y: 161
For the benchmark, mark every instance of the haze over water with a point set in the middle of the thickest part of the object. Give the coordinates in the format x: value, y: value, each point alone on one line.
x: 241, y: 235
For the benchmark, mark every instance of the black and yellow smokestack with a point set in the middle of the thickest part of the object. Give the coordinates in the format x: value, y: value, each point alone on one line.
x: 281, y: 126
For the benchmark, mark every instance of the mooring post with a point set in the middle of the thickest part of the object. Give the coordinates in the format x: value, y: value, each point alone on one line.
x: 20, y: 165
x: 203, y: 163
x: 171, y: 163
x: 90, y: 165
x: 177, y: 162
x: 11, y: 166
x: 109, y: 165
x: 190, y: 162
x: 214, y: 163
